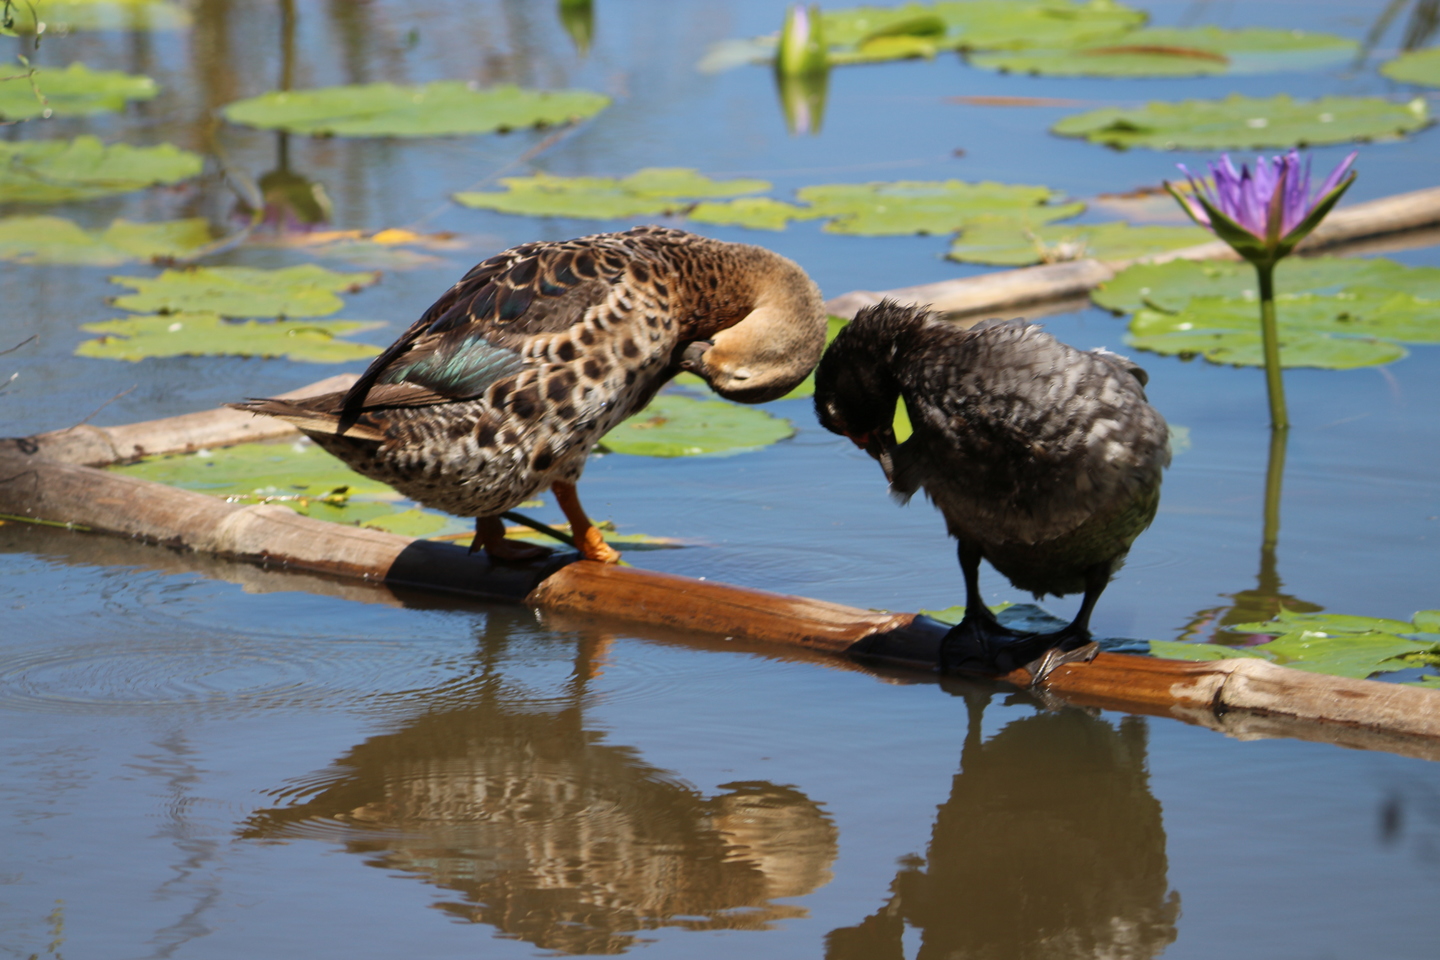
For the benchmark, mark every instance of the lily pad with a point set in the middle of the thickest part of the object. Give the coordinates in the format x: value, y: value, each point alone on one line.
x: 833, y: 326
x: 441, y: 108
x: 678, y: 426
x: 260, y: 470
x: 68, y: 16
x: 1169, y: 286
x: 75, y: 91
x: 943, y: 206
x: 54, y: 171
x: 1008, y: 243
x: 653, y: 190
x: 757, y: 213
x: 1418, y: 66
x: 1240, y: 122
x: 1315, y: 332
x: 304, y: 291
x: 1178, y: 650
x: 1171, y: 52
x: 57, y: 240
x: 209, y: 335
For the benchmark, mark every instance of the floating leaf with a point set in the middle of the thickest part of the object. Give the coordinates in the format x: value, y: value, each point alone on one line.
x: 304, y: 291
x: 1011, y: 243
x: 68, y: 16
x: 441, y: 108
x: 833, y: 326
x: 207, y: 334
x: 757, y: 213
x: 1178, y: 650
x: 650, y: 191
x: 57, y: 240
x: 410, y: 523
x: 1288, y: 621
x: 679, y: 426
x: 944, y: 206
x: 1417, y: 66
x: 1170, y: 52
x: 1427, y: 621
x: 53, y: 171
x: 75, y: 91
x: 1169, y: 286
x: 260, y: 470
x: 1357, y: 655
x: 1313, y: 333
x: 1239, y: 122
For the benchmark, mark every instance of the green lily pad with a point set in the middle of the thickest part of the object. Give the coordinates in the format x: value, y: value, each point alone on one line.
x: 678, y: 426
x: 757, y: 213
x: 1169, y: 286
x: 260, y: 470
x: 68, y: 16
x: 1171, y: 52
x: 209, y: 335
x: 1288, y: 621
x: 76, y: 91
x: 1179, y: 650
x: 1417, y: 66
x: 944, y: 206
x: 1009, y: 243
x: 57, y: 240
x: 653, y: 190
x: 1427, y: 621
x: 1357, y: 655
x: 304, y: 291
x: 806, y: 388
x: 54, y: 171
x: 441, y: 108
x: 1316, y: 332
x: 1239, y: 122
x: 974, y: 25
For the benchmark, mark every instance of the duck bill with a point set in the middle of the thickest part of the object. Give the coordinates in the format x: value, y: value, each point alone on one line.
x: 880, y: 444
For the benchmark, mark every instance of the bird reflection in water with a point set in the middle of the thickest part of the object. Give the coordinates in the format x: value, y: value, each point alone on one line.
x: 551, y: 835
x: 1049, y: 846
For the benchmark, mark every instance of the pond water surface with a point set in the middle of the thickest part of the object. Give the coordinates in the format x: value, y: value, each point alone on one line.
x: 203, y: 759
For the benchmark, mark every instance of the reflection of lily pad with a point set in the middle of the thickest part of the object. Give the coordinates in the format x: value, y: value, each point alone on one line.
x: 757, y: 213
x: 441, y: 108
x: 1010, y: 243
x: 53, y: 171
x: 1171, y: 52
x: 1168, y: 286
x: 1315, y: 331
x: 944, y: 206
x: 679, y: 426
x: 75, y: 91
x: 305, y: 291
x: 869, y: 34
x: 1238, y: 122
x: 650, y: 191
x: 57, y: 240
x: 1417, y: 66
x: 67, y: 16
x: 207, y: 334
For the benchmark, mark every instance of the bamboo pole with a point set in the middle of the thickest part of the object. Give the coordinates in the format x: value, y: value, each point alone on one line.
x: 1007, y: 289
x: 1354, y: 712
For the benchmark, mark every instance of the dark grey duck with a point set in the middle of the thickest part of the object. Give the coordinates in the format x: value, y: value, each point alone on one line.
x: 1044, y: 459
x: 503, y: 386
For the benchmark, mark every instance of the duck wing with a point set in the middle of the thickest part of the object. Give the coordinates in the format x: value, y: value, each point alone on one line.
x: 476, y: 333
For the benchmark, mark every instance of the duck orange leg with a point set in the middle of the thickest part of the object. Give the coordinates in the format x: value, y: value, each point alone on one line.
x: 588, y: 541
x: 490, y: 535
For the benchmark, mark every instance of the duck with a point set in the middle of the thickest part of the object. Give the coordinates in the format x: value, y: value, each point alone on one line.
x: 1044, y: 459
x: 502, y: 388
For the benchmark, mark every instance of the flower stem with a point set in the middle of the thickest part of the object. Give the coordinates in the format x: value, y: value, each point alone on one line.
x: 1274, y: 384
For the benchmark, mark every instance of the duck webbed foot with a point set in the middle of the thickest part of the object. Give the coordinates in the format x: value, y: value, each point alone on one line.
x: 490, y: 536
x: 980, y: 644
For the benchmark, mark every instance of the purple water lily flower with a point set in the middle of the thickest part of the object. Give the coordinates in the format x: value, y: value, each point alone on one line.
x: 1263, y: 214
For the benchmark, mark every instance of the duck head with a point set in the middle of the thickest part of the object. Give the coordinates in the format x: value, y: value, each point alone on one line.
x: 855, y: 386
x: 773, y: 347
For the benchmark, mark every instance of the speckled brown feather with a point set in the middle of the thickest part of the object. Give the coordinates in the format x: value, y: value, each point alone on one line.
x: 505, y: 384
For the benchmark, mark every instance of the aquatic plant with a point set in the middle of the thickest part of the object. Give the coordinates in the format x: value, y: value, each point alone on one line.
x: 1263, y: 215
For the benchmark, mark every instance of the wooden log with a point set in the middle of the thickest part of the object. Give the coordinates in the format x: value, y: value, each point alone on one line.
x: 45, y: 490
x: 1009, y: 289
x: 101, y: 446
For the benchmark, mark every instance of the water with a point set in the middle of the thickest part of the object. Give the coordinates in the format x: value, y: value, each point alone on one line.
x: 209, y: 760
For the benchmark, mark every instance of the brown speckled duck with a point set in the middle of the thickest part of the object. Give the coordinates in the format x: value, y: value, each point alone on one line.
x: 1043, y: 459
x: 504, y: 385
